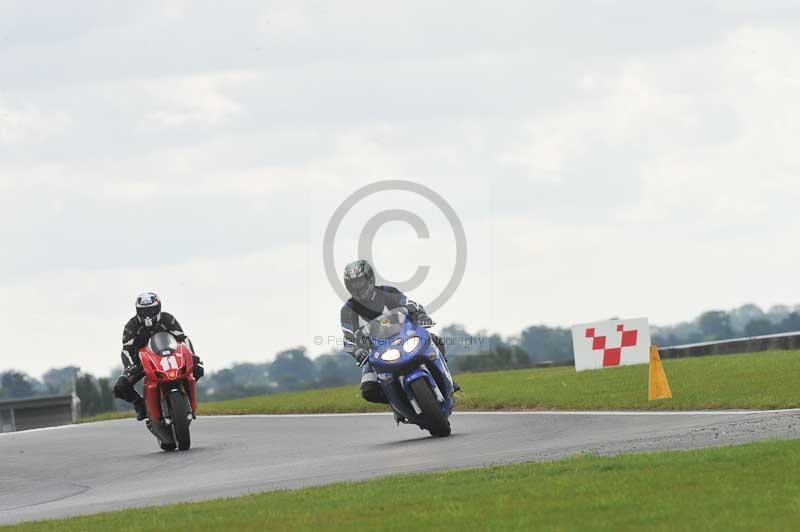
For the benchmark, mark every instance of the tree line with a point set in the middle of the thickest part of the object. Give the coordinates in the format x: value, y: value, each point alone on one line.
x: 293, y: 369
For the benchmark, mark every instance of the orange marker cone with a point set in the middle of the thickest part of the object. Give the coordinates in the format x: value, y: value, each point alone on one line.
x: 659, y: 386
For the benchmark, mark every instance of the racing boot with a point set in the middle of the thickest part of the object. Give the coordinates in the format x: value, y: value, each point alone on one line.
x: 399, y: 418
x: 141, y: 409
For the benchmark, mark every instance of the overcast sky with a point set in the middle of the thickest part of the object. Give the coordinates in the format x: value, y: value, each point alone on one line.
x: 606, y: 158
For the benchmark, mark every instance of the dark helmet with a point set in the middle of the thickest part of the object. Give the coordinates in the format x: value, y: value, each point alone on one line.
x: 359, y: 279
x: 148, y: 309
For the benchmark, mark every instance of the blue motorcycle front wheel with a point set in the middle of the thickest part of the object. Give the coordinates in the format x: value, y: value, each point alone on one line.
x: 435, y: 421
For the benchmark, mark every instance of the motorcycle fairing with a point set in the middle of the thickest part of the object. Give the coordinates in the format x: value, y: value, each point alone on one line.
x: 156, y: 378
x: 424, y: 362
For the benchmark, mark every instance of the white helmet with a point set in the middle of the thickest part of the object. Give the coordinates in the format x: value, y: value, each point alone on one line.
x: 148, y: 309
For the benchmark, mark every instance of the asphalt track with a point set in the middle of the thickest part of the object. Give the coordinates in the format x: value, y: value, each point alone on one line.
x: 82, y: 469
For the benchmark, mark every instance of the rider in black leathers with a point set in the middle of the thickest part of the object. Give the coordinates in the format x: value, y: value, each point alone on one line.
x: 369, y: 302
x: 149, y: 320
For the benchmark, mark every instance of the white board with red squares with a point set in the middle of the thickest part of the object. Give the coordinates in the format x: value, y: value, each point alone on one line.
x: 612, y: 343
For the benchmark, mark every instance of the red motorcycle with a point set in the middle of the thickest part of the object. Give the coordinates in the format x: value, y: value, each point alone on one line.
x: 169, y: 390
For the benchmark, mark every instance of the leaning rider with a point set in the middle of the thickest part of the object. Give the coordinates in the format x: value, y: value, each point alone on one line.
x: 367, y: 303
x: 149, y: 319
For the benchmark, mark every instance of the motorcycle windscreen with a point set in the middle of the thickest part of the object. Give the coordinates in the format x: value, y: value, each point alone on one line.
x: 389, y: 324
x: 163, y: 343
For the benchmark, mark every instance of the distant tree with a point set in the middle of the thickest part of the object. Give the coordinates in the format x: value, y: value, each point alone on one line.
x: 759, y: 327
x: 664, y: 337
x: 715, y: 325
x: 106, y: 395
x: 250, y: 374
x: 17, y: 385
x: 520, y: 358
x: 500, y: 357
x: 490, y: 341
x: 292, y: 370
x: 89, y: 394
x: 95, y: 394
x: 335, y: 370
x: 688, y: 332
x: 791, y: 323
x: 59, y: 381
x: 546, y: 343
x: 683, y: 333
x: 240, y: 380
x: 778, y: 313
x: 225, y: 378
x: 457, y: 339
x: 740, y: 317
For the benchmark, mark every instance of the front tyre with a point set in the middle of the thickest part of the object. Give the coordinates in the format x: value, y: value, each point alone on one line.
x: 179, y: 406
x: 436, y: 423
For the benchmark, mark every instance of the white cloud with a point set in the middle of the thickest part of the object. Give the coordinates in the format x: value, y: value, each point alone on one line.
x: 193, y: 100
x: 26, y: 123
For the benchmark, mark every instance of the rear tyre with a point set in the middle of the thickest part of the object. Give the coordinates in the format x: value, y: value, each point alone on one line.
x: 436, y: 423
x: 168, y: 446
x: 179, y: 406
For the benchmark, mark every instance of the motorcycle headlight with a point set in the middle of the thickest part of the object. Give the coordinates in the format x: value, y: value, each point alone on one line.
x: 390, y: 355
x: 411, y: 344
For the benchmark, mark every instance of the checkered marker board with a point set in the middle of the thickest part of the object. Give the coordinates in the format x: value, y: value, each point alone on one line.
x: 608, y: 344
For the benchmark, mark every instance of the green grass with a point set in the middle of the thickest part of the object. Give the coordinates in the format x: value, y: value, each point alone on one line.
x: 750, y: 487
x: 761, y: 380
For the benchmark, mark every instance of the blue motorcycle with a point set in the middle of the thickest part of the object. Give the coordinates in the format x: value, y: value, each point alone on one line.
x: 411, y: 370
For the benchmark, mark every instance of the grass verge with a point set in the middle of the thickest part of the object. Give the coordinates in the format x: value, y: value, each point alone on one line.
x: 749, y: 487
x: 760, y: 380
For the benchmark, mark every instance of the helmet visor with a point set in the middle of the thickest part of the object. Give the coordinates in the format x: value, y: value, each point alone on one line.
x: 149, y: 316
x: 148, y: 312
x: 360, y: 288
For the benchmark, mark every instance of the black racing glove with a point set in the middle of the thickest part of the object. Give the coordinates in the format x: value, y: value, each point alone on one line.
x: 423, y: 320
x: 133, y: 373
x: 197, y: 367
x: 361, y: 338
x: 363, y: 345
x: 361, y: 355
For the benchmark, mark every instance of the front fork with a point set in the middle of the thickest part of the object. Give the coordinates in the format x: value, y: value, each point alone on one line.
x: 186, y: 391
x: 400, y: 390
x: 437, y: 374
